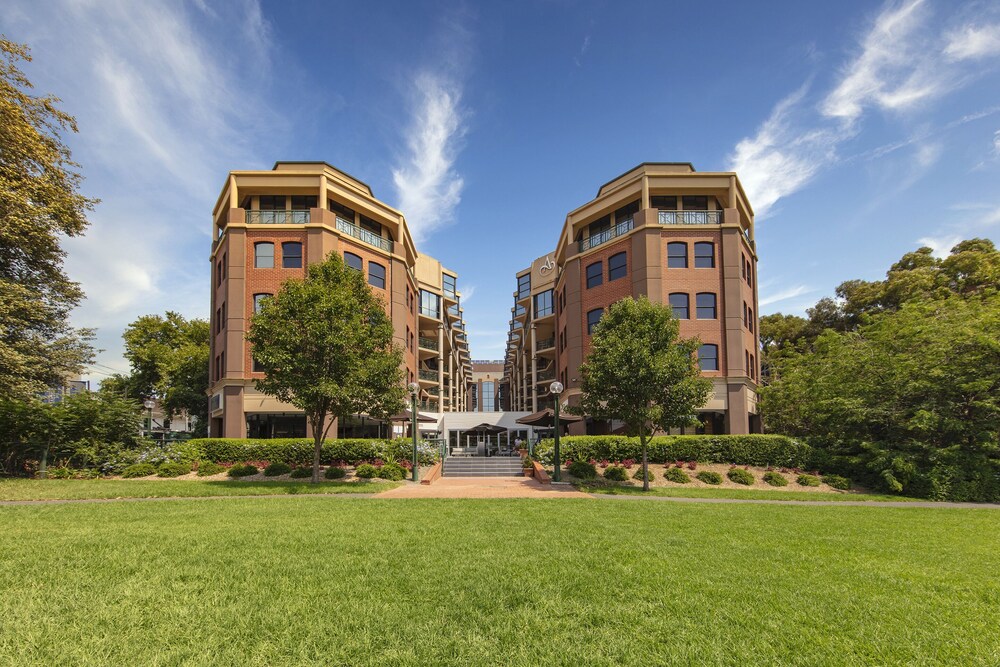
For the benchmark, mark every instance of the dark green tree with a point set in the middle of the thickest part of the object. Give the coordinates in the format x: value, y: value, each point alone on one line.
x: 326, y: 346
x: 639, y: 371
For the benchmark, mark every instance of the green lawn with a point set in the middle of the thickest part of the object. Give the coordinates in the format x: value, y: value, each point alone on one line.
x: 347, y: 581
x: 749, y: 494
x: 75, y: 489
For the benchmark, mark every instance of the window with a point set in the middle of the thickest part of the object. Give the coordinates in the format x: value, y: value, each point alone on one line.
x: 449, y: 284
x: 272, y: 202
x: 679, y: 304
x: 677, y: 255
x: 258, y: 302
x: 543, y: 304
x: 430, y: 304
x: 523, y: 286
x: 593, y: 317
x: 695, y: 203
x: 263, y: 255
x: 705, y: 303
x: 704, y: 255
x: 353, y: 261
x: 595, y: 274
x: 617, y: 266
x: 663, y: 203
x: 291, y: 255
x: 376, y: 275
x: 708, y: 357
x: 303, y: 202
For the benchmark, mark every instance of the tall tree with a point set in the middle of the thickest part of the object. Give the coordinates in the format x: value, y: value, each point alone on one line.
x: 325, y: 344
x: 39, y: 203
x: 639, y: 371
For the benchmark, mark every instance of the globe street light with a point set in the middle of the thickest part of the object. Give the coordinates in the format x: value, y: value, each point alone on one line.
x: 555, y: 389
x: 414, y: 390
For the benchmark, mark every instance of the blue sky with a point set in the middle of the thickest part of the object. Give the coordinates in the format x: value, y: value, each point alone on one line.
x: 860, y: 130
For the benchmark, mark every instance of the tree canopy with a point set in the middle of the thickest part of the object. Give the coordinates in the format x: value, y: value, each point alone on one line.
x: 326, y: 346
x: 39, y: 203
x: 640, y: 372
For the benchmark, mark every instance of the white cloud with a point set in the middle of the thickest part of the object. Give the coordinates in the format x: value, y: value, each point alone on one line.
x: 427, y: 186
x: 973, y: 42
x: 784, y: 295
x: 940, y: 245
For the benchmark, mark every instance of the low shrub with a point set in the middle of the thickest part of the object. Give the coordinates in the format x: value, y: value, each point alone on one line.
x: 392, y: 472
x: 173, y: 469
x: 366, y: 471
x: 245, y: 470
x: 582, y: 470
x: 709, y: 477
x: 740, y: 476
x: 638, y: 474
x: 208, y: 468
x: 775, y: 478
x: 334, y: 472
x: 277, y: 468
x: 676, y: 475
x: 139, y: 470
x: 808, y: 480
x: 837, y: 482
x: 302, y: 472
x: 615, y: 474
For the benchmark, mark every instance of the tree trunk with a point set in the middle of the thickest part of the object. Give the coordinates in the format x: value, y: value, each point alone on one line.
x: 645, y: 464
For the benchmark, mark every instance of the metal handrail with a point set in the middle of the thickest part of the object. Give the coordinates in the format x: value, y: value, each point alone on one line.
x: 427, y: 343
x: 690, y: 217
x: 255, y: 217
x: 368, y: 237
x: 623, y: 227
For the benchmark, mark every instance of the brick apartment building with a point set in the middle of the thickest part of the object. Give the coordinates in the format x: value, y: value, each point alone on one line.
x: 665, y: 231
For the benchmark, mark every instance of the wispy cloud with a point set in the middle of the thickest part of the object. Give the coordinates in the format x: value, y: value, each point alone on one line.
x: 973, y: 42
x: 784, y: 295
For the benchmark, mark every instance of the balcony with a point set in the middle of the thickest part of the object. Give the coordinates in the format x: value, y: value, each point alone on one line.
x: 546, y: 344
x: 690, y: 217
x: 363, y: 235
x: 427, y: 343
x: 428, y: 375
x: 622, y: 228
x: 277, y: 217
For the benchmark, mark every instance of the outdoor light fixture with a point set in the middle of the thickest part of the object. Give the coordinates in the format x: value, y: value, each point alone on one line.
x: 414, y: 390
x: 555, y: 389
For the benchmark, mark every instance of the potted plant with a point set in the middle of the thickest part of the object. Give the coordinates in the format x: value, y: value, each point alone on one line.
x: 528, y: 466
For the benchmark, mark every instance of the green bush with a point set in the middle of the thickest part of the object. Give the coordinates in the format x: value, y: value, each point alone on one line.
x: 245, y: 470
x: 207, y: 469
x: 299, y: 451
x: 740, y: 476
x: 334, y: 472
x: 709, y: 477
x: 392, y: 472
x: 173, y: 469
x: 752, y: 450
x: 676, y: 475
x: 277, y: 468
x: 366, y: 471
x: 302, y: 472
x: 808, y: 480
x: 837, y: 482
x: 139, y: 470
x: 775, y: 478
x: 638, y: 474
x: 615, y: 474
x: 582, y: 470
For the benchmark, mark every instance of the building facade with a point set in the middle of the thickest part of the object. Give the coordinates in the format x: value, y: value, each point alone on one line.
x: 268, y: 226
x: 665, y: 231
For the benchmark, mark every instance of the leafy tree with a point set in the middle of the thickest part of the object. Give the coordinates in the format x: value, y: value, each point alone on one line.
x: 169, y: 357
x: 640, y: 372
x: 39, y: 203
x: 326, y: 346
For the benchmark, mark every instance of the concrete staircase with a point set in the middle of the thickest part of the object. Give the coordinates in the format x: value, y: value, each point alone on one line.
x: 481, y: 466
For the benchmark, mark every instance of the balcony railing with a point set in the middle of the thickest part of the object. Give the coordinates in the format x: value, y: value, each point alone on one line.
x: 364, y: 235
x: 547, y: 344
x: 277, y: 217
x: 690, y: 217
x: 427, y: 343
x: 622, y: 228
x: 427, y: 375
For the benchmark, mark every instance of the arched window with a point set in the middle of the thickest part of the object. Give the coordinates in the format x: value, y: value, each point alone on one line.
x: 291, y: 255
x: 704, y: 255
x: 376, y: 275
x: 677, y: 255
x: 705, y: 304
x: 708, y: 357
x: 263, y: 255
x: 353, y: 261
x: 680, y: 303
x: 617, y: 266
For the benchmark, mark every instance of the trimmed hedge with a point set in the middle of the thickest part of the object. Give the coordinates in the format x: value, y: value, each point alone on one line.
x: 750, y: 450
x: 299, y: 451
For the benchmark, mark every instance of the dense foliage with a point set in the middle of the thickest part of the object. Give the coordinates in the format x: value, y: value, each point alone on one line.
x: 755, y: 450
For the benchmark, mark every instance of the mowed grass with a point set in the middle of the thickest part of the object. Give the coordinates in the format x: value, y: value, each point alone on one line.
x: 344, y: 581
x: 749, y: 494
x: 78, y: 489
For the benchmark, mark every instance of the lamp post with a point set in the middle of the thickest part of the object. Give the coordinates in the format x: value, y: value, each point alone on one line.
x: 414, y: 389
x: 555, y: 389
x: 149, y: 403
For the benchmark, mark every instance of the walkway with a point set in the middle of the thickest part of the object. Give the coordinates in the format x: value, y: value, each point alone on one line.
x: 484, y: 487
